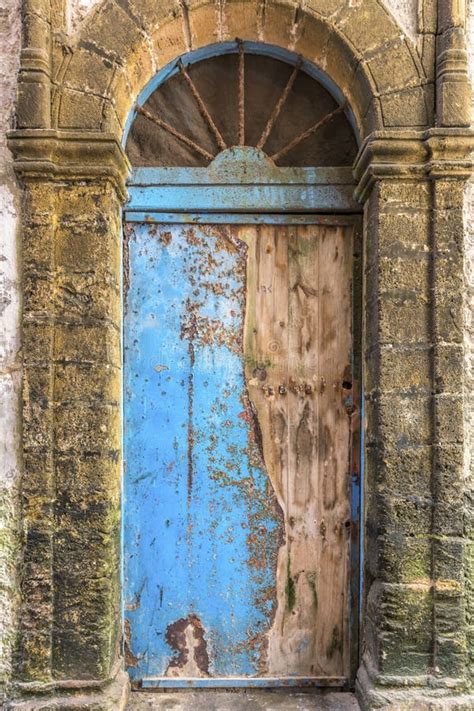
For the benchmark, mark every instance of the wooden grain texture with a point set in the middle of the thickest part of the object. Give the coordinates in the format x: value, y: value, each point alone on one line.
x: 298, y: 369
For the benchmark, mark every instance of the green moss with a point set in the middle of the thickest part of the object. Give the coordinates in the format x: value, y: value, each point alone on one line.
x: 290, y: 588
x: 311, y: 578
x: 336, y: 643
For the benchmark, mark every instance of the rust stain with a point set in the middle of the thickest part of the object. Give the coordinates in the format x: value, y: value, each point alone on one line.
x: 188, y: 331
x: 127, y: 232
x: 186, y: 637
x: 165, y: 237
x: 130, y: 659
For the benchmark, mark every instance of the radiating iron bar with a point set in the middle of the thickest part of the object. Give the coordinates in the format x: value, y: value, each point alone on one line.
x: 177, y: 134
x: 241, y: 92
x: 202, y: 107
x: 279, y: 105
x: 306, y: 134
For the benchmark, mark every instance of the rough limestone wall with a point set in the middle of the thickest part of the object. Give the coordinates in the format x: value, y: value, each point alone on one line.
x: 469, y: 329
x: 404, y: 10
x: 9, y: 338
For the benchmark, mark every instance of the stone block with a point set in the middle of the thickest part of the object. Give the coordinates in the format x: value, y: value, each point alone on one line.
x: 89, y: 243
x: 403, y: 620
x: 404, y: 321
x: 278, y: 24
x: 428, y: 54
x: 403, y: 234
x: 89, y: 72
x: 401, y: 196
x: 34, y: 658
x: 404, y: 516
x: 449, y: 231
x: 451, y: 14
x: 400, y: 274
x: 87, y: 344
x: 116, y: 44
x: 454, y: 102
x: 451, y: 656
x: 87, y: 428
x: 80, y: 110
x: 407, y: 470
x: 404, y: 558
x: 368, y: 26
x: 404, y: 420
x: 87, y: 297
x: 38, y: 245
x: 233, y: 19
x: 401, y: 369
x: 448, y: 367
x: 168, y: 42
x: 403, y: 109
x: 38, y: 292
x: 326, y: 8
x: 449, y: 419
x: 449, y: 470
x: 37, y: 413
x: 87, y: 383
x: 362, y: 91
x: 449, y: 320
x: 448, y: 567
x: 394, y: 69
x: 86, y: 618
x: 33, y: 108
x: 140, y: 68
x: 449, y: 195
x: 89, y: 477
x: 313, y: 41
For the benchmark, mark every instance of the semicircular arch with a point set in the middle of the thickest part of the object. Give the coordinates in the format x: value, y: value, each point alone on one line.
x: 124, y: 43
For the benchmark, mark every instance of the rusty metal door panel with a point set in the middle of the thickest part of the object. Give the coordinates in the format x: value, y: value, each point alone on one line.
x: 237, y: 371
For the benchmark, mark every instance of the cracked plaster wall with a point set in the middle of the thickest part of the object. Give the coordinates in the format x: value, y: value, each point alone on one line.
x: 9, y: 336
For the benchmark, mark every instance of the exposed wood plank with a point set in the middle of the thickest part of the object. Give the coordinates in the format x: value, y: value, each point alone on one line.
x: 298, y: 350
x: 334, y: 444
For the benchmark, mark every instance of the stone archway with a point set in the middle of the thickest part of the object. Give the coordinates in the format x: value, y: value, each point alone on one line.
x: 360, y: 48
x: 72, y: 108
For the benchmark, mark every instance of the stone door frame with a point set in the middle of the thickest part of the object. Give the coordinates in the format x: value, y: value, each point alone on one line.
x: 410, y: 174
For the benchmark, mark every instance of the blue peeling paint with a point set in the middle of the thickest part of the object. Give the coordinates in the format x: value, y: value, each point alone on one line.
x: 201, y: 526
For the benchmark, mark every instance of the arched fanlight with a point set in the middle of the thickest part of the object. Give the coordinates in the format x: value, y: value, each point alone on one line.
x: 206, y: 146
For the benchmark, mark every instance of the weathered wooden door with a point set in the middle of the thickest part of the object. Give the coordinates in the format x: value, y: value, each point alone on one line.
x: 238, y: 402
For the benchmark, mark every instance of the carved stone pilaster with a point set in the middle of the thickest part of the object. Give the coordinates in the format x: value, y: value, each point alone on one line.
x: 453, y: 95
x: 34, y: 79
x: 69, y: 641
x: 415, y: 646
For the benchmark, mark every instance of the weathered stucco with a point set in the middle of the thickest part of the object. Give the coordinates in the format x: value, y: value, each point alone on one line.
x: 416, y: 606
x: 10, y: 373
x: 406, y: 12
x: 76, y: 12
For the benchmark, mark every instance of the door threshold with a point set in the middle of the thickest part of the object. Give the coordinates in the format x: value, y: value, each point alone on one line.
x: 299, y: 682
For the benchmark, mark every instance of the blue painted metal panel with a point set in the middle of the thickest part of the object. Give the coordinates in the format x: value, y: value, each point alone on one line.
x: 246, y: 682
x: 236, y: 218
x: 201, y: 525
x: 207, y: 199
x: 241, y: 179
